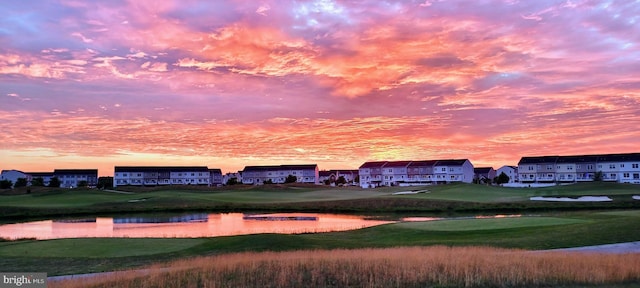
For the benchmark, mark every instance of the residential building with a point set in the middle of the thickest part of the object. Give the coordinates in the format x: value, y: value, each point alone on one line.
x: 215, y: 177
x: 229, y: 175
x: 161, y: 175
x: 256, y: 175
x: 457, y: 170
x: 621, y: 168
x: 45, y: 176
x: 72, y: 178
x: 511, y: 171
x: 333, y: 175
x: 391, y: 173
x: 69, y: 178
x: 371, y: 174
x: 421, y: 172
x: 13, y: 176
x: 484, y: 174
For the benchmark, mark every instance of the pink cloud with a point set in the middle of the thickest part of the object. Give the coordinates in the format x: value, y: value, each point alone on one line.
x: 273, y: 81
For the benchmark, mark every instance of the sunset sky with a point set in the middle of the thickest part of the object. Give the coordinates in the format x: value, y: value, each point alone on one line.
x: 224, y: 84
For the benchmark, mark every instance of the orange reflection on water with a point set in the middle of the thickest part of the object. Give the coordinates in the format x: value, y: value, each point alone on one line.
x: 211, y: 226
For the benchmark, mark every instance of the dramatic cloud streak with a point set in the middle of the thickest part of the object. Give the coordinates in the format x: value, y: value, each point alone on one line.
x: 229, y: 83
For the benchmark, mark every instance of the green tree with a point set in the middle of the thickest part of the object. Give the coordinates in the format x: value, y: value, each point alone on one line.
x: 105, y: 182
x: 54, y: 182
x: 357, y: 180
x: 83, y: 183
x: 597, y: 176
x: 503, y: 178
x: 268, y: 181
x: 37, y: 181
x: 20, y: 182
x: 341, y: 180
x: 6, y: 184
x: 232, y: 181
x: 291, y: 179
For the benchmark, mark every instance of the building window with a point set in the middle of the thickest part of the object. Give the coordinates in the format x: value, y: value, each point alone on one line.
x: 621, y: 165
x: 549, y: 167
x: 636, y: 175
x: 444, y: 169
x: 626, y: 175
x: 590, y: 167
x: 578, y: 166
x: 612, y: 166
x: 139, y: 174
x: 634, y: 165
x: 599, y: 166
x: 613, y: 176
x: 530, y: 168
x: 390, y: 170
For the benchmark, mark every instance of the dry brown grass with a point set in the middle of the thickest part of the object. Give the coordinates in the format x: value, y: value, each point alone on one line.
x: 392, y: 267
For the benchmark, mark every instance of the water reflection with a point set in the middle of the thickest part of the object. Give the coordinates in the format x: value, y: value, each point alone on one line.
x: 422, y: 219
x: 187, y: 226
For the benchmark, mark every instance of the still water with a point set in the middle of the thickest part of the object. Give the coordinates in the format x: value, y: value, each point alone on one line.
x: 188, y: 226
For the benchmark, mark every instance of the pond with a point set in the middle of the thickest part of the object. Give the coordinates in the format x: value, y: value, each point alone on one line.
x: 187, y: 226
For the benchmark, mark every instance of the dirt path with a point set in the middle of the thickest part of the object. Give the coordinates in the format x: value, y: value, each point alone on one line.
x: 618, y: 248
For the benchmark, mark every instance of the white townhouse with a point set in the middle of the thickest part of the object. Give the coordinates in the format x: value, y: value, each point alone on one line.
x: 257, y: 175
x: 537, y: 169
x: 453, y: 170
x: 395, y: 172
x: 161, y: 175
x: 71, y: 178
x: 391, y: 173
x: 371, y: 174
x: 511, y: 171
x: 621, y: 168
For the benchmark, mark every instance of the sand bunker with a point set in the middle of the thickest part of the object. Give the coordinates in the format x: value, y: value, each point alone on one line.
x: 567, y: 199
x: 410, y: 192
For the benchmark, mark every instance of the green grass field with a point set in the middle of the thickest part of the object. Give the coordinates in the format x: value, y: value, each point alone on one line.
x: 560, y: 230
x: 281, y: 196
x: 556, y: 225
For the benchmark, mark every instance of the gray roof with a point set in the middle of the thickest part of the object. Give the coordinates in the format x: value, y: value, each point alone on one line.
x: 159, y: 169
x: 451, y: 162
x: 75, y: 171
x: 581, y: 158
x: 280, y: 167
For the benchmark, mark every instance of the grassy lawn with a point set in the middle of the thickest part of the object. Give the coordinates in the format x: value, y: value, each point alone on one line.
x: 558, y: 225
x: 96, y: 248
x: 488, y: 224
x: 67, y: 256
x: 450, y: 198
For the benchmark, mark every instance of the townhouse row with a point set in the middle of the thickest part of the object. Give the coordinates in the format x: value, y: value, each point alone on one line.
x: 392, y: 173
x: 69, y: 178
x: 621, y: 168
x: 276, y: 174
x: 166, y: 175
